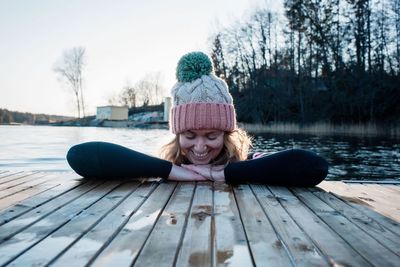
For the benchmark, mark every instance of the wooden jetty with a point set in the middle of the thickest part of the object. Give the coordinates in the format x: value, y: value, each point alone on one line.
x: 60, y: 219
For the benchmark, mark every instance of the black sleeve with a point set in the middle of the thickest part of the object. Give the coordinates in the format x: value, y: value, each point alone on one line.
x: 107, y: 160
x: 294, y: 167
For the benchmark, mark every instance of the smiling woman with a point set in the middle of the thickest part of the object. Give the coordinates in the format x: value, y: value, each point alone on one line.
x: 231, y: 146
x: 201, y: 146
x: 207, y: 145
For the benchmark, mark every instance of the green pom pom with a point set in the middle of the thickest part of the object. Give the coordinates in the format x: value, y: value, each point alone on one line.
x: 192, y: 66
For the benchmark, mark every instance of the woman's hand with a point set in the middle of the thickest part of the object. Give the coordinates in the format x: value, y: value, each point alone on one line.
x: 211, y: 172
x: 184, y: 174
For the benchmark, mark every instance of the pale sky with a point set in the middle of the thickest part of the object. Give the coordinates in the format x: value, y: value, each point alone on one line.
x: 124, y: 41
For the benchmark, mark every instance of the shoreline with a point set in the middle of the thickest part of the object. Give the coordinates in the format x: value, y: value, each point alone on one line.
x: 322, y: 128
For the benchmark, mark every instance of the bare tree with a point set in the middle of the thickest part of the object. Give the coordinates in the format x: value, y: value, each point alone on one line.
x: 395, y: 6
x: 149, y: 90
x: 146, y: 91
x: 70, y: 69
x: 128, y: 96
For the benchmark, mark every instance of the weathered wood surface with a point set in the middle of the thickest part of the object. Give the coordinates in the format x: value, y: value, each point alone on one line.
x: 60, y: 219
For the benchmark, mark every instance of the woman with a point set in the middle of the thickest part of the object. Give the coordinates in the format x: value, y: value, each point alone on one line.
x: 207, y: 145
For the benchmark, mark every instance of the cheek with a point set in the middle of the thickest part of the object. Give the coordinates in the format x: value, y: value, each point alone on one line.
x: 217, y: 144
x: 185, y: 143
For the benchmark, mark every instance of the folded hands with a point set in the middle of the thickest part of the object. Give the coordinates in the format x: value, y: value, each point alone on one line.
x: 191, y: 172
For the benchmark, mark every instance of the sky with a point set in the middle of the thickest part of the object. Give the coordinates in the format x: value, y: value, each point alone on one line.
x: 124, y: 41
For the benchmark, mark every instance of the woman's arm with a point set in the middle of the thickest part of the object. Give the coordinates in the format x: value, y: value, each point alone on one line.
x: 184, y: 175
x: 106, y: 161
x: 294, y: 167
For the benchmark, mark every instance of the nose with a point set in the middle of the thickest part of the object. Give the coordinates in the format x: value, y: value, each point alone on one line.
x: 200, y: 145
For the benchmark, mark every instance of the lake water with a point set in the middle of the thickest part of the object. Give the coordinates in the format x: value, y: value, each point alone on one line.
x: 45, y: 147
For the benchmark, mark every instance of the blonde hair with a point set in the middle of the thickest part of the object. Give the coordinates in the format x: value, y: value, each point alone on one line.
x: 236, y: 147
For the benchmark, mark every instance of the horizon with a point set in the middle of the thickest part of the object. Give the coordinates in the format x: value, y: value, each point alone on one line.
x: 124, y: 42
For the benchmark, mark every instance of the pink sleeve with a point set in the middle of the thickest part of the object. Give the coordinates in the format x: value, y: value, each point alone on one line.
x: 259, y: 155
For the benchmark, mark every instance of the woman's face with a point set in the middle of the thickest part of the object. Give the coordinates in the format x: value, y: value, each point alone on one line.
x: 201, y: 146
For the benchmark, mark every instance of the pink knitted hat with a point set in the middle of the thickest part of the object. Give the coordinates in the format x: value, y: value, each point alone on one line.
x: 201, y: 100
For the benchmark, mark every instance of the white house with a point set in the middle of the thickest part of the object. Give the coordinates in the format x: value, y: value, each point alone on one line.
x: 114, y: 113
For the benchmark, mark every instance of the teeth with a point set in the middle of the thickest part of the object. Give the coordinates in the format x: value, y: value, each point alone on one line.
x: 200, y: 155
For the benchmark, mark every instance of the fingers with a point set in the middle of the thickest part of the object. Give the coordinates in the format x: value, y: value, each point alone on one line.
x: 189, y: 167
x: 198, y: 176
x: 181, y: 174
x: 188, y: 178
x: 202, y: 170
x: 210, y: 172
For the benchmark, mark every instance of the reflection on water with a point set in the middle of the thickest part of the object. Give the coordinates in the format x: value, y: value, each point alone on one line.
x: 239, y: 256
x: 45, y: 147
x: 366, y: 158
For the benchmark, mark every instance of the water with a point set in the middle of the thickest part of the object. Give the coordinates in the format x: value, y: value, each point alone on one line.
x: 349, y: 157
x: 45, y: 147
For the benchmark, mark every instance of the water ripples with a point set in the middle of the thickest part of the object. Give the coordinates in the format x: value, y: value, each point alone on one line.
x: 44, y: 148
x: 350, y: 158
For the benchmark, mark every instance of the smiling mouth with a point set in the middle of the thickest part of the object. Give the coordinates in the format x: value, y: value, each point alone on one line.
x: 200, y: 155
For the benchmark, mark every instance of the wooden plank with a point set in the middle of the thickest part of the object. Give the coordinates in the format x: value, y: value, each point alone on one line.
x: 48, y: 248
x: 162, y: 245
x: 22, y: 222
x: 89, y: 245
x: 367, y: 246
x: 362, y: 206
x: 196, y: 247
x: 24, y: 204
x: 34, y: 197
x: 62, y: 177
x: 24, y: 240
x: 25, y: 190
x: 387, y: 238
x: 14, y: 179
x: 124, y: 248
x: 230, y: 242
x: 370, y: 194
x: 338, y: 252
x: 301, y: 248
x: 392, y: 189
x: 14, y: 174
x: 15, y: 184
x: 18, y: 189
x: 345, y: 192
x: 384, y: 192
x: 371, y: 182
x: 395, y: 188
x: 262, y: 239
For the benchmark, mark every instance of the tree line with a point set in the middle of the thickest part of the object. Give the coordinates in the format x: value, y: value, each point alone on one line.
x: 321, y: 60
x: 7, y: 117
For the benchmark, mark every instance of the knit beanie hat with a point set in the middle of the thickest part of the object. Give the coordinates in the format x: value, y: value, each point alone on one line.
x: 201, y: 100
